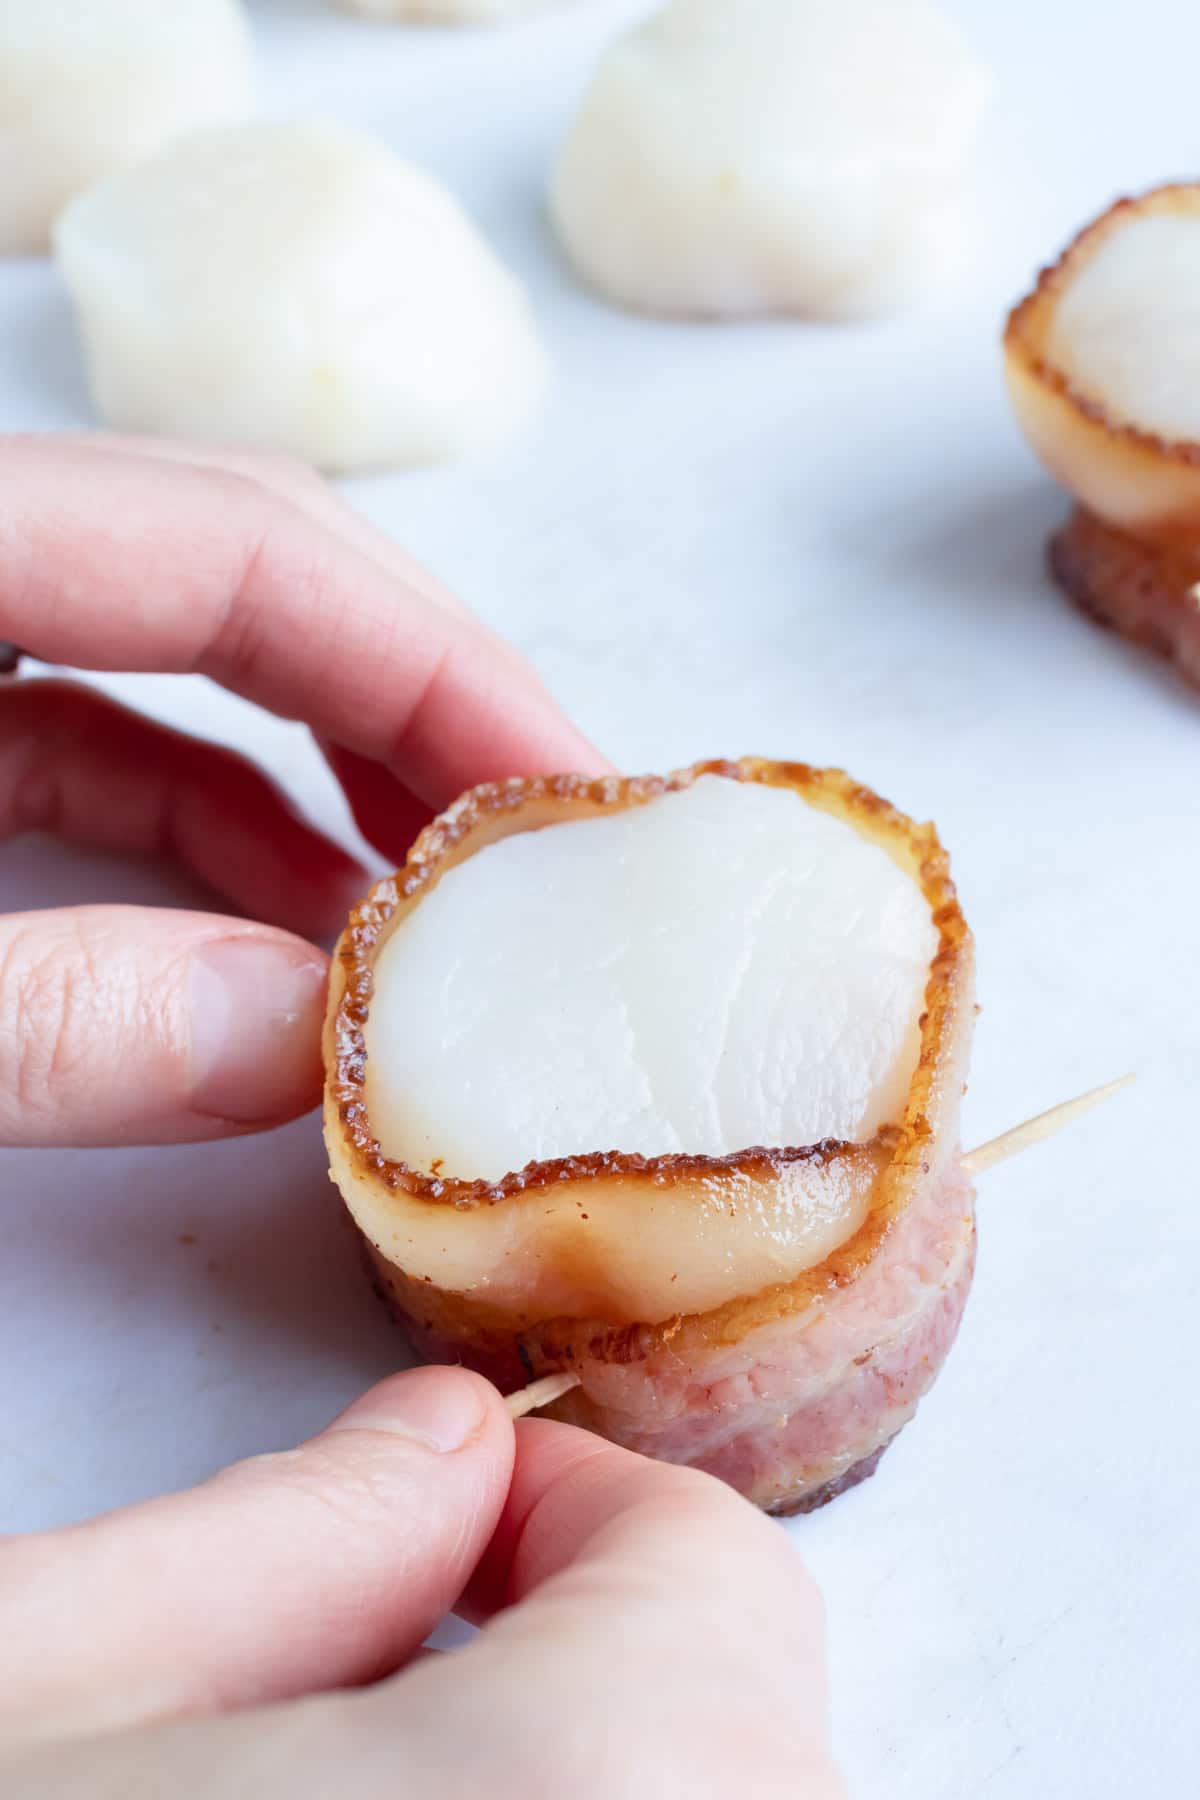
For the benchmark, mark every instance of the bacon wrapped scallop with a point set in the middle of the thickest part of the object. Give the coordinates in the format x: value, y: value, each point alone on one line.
x: 657, y: 1082
x: 1103, y: 367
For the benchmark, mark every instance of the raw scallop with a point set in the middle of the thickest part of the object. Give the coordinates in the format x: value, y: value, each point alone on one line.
x: 770, y: 156
x: 89, y: 86
x: 296, y: 287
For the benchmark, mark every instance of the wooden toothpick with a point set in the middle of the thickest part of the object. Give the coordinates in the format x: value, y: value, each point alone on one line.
x: 975, y: 1162
x: 540, y: 1393
x: 1021, y: 1137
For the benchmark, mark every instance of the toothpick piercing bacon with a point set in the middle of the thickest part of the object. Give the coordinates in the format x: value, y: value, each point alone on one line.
x: 544, y: 1392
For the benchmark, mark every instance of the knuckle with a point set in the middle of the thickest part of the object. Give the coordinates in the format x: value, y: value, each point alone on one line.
x: 282, y: 551
x: 75, y: 1013
x: 45, y: 991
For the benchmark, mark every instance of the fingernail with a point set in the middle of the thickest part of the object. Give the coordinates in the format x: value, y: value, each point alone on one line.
x: 256, y: 1009
x: 440, y: 1408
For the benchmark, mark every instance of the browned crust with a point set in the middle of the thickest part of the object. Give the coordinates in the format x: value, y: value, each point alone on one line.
x: 430, y: 856
x: 904, y: 1152
x: 1146, y: 592
x: 829, y: 1490
x: 1029, y: 321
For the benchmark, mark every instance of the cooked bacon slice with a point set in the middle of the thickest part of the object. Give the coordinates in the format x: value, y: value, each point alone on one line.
x: 1147, y: 592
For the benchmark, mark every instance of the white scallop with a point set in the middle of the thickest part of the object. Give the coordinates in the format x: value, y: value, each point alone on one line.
x: 723, y: 968
x: 297, y: 287
x: 770, y: 156
x: 1127, y: 327
x: 89, y: 86
x: 443, y: 12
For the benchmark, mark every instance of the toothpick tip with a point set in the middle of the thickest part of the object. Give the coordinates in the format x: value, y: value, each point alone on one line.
x: 1045, y: 1125
x: 541, y: 1393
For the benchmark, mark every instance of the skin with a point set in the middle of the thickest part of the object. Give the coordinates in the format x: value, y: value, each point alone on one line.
x: 643, y: 1631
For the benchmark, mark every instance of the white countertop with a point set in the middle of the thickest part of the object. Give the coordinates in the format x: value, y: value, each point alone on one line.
x: 794, y: 541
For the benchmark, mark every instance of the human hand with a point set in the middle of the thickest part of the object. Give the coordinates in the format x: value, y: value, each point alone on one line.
x: 128, y: 1025
x: 644, y: 1630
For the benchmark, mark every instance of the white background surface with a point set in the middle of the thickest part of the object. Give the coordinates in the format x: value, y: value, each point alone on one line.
x: 804, y: 542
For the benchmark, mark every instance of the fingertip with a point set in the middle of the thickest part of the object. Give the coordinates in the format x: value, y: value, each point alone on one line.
x: 443, y: 1407
x: 548, y: 1450
x: 569, y: 1485
x: 389, y: 817
x: 553, y: 1462
x: 256, y: 1001
x: 588, y: 760
x: 154, y: 1027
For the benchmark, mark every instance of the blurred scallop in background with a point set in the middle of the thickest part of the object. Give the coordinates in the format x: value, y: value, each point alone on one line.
x: 89, y: 86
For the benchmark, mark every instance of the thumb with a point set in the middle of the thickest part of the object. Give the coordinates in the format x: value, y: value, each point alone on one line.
x: 320, y: 1568
x: 123, y: 1024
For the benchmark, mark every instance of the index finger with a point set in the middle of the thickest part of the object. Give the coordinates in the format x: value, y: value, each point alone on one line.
x: 577, y: 1503
x: 127, y: 561
x: 683, y: 1615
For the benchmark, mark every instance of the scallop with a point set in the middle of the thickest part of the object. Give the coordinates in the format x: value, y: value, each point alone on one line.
x: 658, y: 1081
x: 774, y: 156
x: 86, y: 89
x: 708, y: 985
x: 297, y: 287
x: 580, y: 987
x: 1102, y: 360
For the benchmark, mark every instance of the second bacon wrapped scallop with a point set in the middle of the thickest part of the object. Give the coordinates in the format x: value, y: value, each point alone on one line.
x: 1103, y: 366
